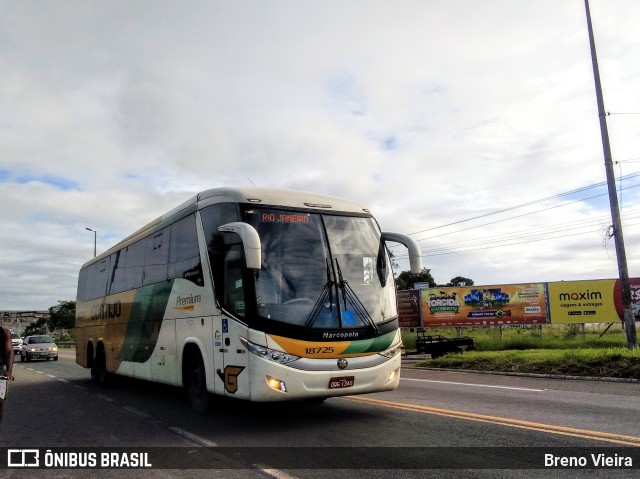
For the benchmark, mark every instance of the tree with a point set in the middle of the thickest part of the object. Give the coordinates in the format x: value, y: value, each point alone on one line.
x: 62, y: 316
x: 407, y: 280
x: 460, y: 281
x: 39, y: 327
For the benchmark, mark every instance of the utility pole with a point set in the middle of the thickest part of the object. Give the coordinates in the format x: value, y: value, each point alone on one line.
x: 628, y: 320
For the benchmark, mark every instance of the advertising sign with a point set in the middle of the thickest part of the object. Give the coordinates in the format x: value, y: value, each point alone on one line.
x: 591, y: 301
x: 485, y: 305
x: 409, y: 308
x: 635, y: 298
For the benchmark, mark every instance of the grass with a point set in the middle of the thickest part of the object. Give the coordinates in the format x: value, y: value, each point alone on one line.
x: 558, y: 350
x: 612, y: 362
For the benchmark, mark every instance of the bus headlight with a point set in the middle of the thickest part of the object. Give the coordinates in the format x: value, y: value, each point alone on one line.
x: 268, y: 353
x: 392, y: 351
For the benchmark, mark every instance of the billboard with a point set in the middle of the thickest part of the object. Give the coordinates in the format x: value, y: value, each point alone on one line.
x: 409, y: 308
x: 590, y: 301
x: 485, y: 305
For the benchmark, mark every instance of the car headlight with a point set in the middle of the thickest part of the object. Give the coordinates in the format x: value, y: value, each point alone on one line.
x: 392, y: 351
x: 31, y: 349
x: 55, y: 348
x: 268, y: 353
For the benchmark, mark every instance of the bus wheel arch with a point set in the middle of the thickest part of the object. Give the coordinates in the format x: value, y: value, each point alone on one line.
x: 194, y: 378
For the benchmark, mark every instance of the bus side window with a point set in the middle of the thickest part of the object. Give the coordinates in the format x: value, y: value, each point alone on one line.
x: 213, y: 217
x: 103, y: 275
x: 156, y: 257
x: 233, y: 282
x: 134, y: 265
x: 117, y: 279
x: 184, y: 253
x: 86, y: 282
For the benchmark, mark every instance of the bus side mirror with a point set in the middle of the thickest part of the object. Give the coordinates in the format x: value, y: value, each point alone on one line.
x: 250, y: 242
x: 415, y: 258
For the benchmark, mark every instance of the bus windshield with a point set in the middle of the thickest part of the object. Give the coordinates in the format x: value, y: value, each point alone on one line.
x: 322, y: 271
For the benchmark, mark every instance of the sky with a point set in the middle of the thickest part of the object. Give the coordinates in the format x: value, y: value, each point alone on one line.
x: 470, y: 125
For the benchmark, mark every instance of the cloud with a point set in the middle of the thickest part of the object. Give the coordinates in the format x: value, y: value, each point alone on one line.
x: 426, y: 112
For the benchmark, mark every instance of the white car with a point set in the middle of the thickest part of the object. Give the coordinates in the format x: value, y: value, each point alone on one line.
x: 16, y: 342
x: 38, y: 347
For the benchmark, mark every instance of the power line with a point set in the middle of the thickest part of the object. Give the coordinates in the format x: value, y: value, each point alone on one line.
x: 529, y: 235
x: 499, y: 240
x: 521, y: 215
x: 557, y: 228
x: 509, y: 244
x: 559, y: 195
x: 428, y: 253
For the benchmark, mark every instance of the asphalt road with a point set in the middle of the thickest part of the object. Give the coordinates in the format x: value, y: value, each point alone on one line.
x: 437, y: 424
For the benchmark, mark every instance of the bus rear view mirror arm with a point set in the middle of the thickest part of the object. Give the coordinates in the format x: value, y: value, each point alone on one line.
x: 250, y: 242
x: 415, y: 258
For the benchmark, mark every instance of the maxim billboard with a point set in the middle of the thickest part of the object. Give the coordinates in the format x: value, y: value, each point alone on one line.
x: 591, y: 301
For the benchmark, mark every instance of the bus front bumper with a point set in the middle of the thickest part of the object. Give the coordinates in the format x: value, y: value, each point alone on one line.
x: 277, y: 382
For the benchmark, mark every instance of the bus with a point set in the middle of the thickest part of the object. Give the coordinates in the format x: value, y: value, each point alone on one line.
x: 258, y: 294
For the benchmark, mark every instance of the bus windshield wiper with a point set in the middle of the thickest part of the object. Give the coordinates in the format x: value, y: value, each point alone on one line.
x: 327, y: 292
x: 349, y: 297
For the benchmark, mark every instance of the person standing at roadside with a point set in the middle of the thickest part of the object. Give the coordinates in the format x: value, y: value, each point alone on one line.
x: 6, y: 364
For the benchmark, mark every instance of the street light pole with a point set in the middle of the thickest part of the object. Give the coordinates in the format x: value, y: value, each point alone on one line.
x: 95, y: 240
x: 627, y: 305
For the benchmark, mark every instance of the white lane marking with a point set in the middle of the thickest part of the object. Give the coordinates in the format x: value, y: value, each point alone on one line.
x: 137, y: 412
x: 51, y: 376
x: 473, y: 384
x: 105, y: 397
x: 193, y: 437
x: 40, y: 372
x: 278, y: 474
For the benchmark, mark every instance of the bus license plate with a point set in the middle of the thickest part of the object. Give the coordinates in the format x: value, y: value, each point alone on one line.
x: 344, y: 382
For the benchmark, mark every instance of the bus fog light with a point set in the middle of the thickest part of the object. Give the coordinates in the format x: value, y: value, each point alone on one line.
x: 392, y: 376
x: 277, y: 384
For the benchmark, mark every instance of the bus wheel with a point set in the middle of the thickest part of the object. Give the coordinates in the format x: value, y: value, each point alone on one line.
x: 99, y: 374
x: 196, y: 385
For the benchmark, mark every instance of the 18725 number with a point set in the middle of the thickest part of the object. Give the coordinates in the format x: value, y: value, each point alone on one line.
x: 320, y: 350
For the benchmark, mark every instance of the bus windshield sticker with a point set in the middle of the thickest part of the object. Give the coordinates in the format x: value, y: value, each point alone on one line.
x: 367, y: 268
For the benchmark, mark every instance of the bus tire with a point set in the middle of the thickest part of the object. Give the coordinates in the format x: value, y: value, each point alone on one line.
x: 196, y: 384
x: 99, y: 374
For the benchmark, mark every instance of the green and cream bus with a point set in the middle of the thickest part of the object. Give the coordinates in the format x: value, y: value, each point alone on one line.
x: 259, y: 294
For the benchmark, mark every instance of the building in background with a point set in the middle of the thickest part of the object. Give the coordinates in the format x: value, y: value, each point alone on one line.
x: 18, y: 321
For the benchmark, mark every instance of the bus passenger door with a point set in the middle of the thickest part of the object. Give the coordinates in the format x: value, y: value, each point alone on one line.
x: 231, y: 362
x: 232, y: 370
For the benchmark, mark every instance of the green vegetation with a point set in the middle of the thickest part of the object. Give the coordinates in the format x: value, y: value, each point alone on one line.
x: 564, y: 350
x: 612, y: 362
x: 60, y: 324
